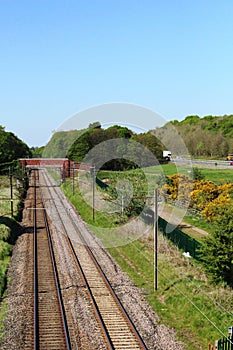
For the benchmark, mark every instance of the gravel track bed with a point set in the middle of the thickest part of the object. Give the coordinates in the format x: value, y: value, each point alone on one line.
x: 84, y: 330
x: 18, y: 323
x: 155, y: 335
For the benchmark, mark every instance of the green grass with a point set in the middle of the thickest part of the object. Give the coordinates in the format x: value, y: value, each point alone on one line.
x: 200, y: 223
x: 3, y: 309
x: 216, y: 174
x: 85, y: 210
x: 184, y: 299
x: 219, y: 176
x: 167, y: 169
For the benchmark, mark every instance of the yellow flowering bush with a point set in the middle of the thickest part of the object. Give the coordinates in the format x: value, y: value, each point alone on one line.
x: 178, y: 187
x: 202, y: 195
x: 212, y: 208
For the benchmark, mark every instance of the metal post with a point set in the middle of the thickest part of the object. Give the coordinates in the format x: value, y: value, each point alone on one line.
x: 93, y: 192
x: 122, y: 205
x: 11, y: 191
x: 61, y: 179
x: 155, y: 239
x: 73, y: 181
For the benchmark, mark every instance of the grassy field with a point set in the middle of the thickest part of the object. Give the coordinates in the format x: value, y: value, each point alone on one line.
x: 215, y: 174
x: 185, y: 300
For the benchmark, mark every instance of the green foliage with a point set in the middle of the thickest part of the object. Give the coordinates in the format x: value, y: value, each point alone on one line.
x: 37, y: 151
x: 4, y: 232
x: 217, y: 249
x: 197, y: 174
x: 151, y: 142
x: 119, y: 132
x: 9, y: 230
x: 210, y: 136
x: 79, y: 148
x: 191, y: 119
x: 226, y: 125
x: 86, y: 211
x: 133, y: 151
x: 11, y: 147
x: 182, y: 285
x: 5, y: 249
x: 94, y: 125
x: 60, y: 143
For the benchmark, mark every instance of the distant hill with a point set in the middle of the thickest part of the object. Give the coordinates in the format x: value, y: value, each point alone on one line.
x: 209, y: 136
x: 60, y: 143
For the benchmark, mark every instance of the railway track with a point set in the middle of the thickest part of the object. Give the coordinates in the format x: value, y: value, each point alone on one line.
x: 116, y: 326
x: 50, y: 325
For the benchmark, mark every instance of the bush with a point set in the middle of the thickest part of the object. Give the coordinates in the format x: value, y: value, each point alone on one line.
x: 217, y: 248
x: 4, y: 232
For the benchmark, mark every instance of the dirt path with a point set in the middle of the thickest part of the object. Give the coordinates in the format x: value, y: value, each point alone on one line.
x: 175, y: 216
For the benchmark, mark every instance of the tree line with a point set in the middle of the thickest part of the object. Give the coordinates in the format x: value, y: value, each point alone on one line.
x: 210, y: 136
x: 11, y: 149
x: 116, y: 148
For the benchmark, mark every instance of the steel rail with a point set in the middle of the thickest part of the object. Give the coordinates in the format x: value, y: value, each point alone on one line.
x: 35, y: 267
x: 61, y: 304
x: 56, y: 278
x: 124, y: 312
x: 104, y: 277
x: 90, y: 294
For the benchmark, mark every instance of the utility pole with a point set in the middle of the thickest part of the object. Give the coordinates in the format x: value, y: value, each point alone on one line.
x: 155, y: 239
x: 92, y: 169
x: 73, y: 180
x: 122, y: 205
x: 61, y: 179
x: 11, y: 191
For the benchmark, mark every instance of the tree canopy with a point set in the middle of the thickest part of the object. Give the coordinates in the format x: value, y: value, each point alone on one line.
x: 217, y: 249
x: 210, y: 136
x: 11, y: 147
x: 136, y: 149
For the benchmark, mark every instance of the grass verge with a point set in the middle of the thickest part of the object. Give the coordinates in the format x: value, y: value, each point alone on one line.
x: 3, y: 309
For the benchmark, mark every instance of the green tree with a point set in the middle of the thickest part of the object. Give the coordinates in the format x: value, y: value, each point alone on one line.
x: 191, y: 119
x: 11, y: 147
x: 210, y: 136
x: 95, y: 125
x: 127, y: 155
x: 117, y: 131
x: 80, y: 148
x: 37, y: 151
x: 151, y: 142
x: 197, y: 174
x: 217, y: 249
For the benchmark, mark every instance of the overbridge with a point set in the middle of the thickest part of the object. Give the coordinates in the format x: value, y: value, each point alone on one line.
x: 66, y: 165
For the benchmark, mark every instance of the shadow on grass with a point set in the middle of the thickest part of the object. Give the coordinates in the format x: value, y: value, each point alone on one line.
x: 15, y: 228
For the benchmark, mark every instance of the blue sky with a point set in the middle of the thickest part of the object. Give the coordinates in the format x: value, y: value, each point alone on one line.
x: 59, y: 57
